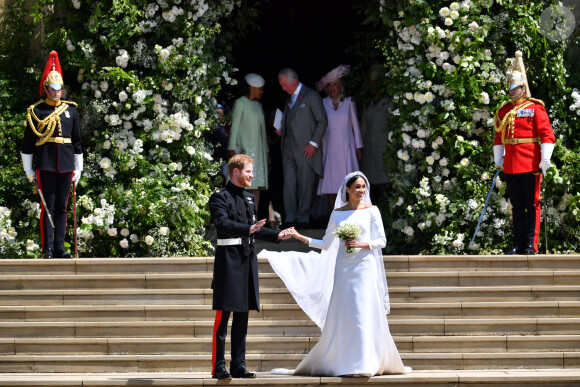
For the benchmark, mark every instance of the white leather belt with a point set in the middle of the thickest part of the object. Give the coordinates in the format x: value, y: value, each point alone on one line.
x: 229, y: 242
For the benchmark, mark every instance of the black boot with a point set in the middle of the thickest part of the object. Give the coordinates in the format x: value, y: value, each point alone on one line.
x: 62, y: 254
x: 529, y: 250
x: 221, y: 373
x: 47, y: 254
x: 514, y: 251
x: 242, y: 372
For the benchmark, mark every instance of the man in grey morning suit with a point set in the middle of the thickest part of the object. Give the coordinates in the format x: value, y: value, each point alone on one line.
x: 303, y: 126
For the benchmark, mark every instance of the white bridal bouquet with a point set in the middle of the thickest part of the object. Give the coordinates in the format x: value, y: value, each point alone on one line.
x: 345, y: 231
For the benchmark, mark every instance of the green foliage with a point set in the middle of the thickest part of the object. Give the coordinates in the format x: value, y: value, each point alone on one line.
x: 145, y: 75
x: 446, y: 63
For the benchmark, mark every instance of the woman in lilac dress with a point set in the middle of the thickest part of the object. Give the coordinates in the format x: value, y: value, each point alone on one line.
x: 342, y: 142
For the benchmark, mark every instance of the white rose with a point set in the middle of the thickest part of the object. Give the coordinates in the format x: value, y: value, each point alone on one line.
x: 134, y: 238
x: 464, y: 162
x: 454, y: 15
x: 149, y: 240
x: 124, y: 243
x: 105, y: 162
x: 448, y: 21
x: 112, y: 232
x: 430, y: 160
x: 408, y: 230
x: 444, y: 12
x: 125, y: 232
x: 473, y: 26
x: 454, y: 6
x: 123, y: 96
x: 484, y: 98
x: 163, y: 230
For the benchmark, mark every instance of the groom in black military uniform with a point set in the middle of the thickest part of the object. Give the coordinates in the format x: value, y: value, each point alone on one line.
x: 53, y: 138
x: 235, y: 274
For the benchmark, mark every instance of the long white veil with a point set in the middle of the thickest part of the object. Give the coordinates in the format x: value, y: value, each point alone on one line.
x: 310, y: 276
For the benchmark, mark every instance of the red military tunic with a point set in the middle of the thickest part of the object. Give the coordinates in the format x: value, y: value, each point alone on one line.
x: 529, y: 120
x: 521, y: 129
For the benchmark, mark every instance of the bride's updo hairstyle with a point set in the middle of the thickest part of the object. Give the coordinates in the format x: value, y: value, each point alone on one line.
x: 352, y: 180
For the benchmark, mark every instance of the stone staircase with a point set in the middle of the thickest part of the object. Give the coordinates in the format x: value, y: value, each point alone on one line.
x: 153, y: 315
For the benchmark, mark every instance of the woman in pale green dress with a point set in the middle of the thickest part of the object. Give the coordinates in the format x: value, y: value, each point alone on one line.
x: 248, y: 132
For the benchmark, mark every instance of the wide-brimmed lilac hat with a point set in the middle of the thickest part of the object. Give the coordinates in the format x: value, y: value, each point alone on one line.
x: 332, y: 76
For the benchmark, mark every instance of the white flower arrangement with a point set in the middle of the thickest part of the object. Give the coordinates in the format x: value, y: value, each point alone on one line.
x: 348, y: 231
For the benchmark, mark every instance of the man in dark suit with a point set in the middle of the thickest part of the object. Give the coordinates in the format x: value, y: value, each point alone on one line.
x: 235, y: 274
x: 53, y: 138
x: 303, y: 126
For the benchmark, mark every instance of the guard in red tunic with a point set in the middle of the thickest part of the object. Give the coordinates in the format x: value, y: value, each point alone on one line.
x: 524, y: 134
x: 53, y: 139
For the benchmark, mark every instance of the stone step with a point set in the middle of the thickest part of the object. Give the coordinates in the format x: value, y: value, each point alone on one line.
x: 278, y: 345
x: 434, y: 378
x: 266, y: 362
x: 425, y: 310
x: 296, y: 328
x: 205, y: 264
x: 282, y: 296
x: 202, y: 280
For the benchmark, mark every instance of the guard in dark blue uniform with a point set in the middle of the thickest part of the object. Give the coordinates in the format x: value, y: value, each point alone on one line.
x: 235, y: 275
x: 52, y: 140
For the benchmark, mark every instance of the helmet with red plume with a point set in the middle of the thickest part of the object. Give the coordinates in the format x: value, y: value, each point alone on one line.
x: 52, y: 75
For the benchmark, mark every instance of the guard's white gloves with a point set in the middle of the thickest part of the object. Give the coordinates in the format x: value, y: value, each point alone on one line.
x: 78, y: 168
x: 27, y: 165
x: 547, y: 150
x: 498, y: 154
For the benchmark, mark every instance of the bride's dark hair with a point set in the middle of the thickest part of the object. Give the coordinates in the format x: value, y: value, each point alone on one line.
x: 352, y: 180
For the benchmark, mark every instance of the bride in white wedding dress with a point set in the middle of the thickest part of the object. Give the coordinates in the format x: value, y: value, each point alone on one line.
x: 345, y: 294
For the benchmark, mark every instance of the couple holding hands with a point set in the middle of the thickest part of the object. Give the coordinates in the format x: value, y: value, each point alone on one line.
x: 343, y: 288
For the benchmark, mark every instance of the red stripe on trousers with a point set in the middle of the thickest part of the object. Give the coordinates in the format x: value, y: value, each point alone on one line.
x: 216, y: 325
x: 538, y: 209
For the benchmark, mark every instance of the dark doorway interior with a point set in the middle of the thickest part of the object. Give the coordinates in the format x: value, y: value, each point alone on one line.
x: 311, y: 36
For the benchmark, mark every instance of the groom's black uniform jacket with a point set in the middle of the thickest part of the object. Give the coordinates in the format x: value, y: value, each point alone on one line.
x: 235, y: 273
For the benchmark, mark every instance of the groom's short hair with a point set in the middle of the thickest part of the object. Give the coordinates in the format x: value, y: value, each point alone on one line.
x: 238, y: 161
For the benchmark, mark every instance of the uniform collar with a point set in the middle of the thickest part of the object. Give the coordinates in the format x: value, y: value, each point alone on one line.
x: 234, y: 188
x: 51, y: 102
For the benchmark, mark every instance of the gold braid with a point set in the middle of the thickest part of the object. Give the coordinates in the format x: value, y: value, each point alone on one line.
x: 50, y: 123
x: 508, y: 119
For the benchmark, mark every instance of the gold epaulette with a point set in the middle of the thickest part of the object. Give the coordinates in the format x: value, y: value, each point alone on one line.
x: 70, y: 103
x: 496, y: 120
x: 31, y: 107
x: 537, y: 101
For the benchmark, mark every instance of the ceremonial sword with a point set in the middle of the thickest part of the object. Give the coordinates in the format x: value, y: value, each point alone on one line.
x: 43, y: 201
x: 484, y: 207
